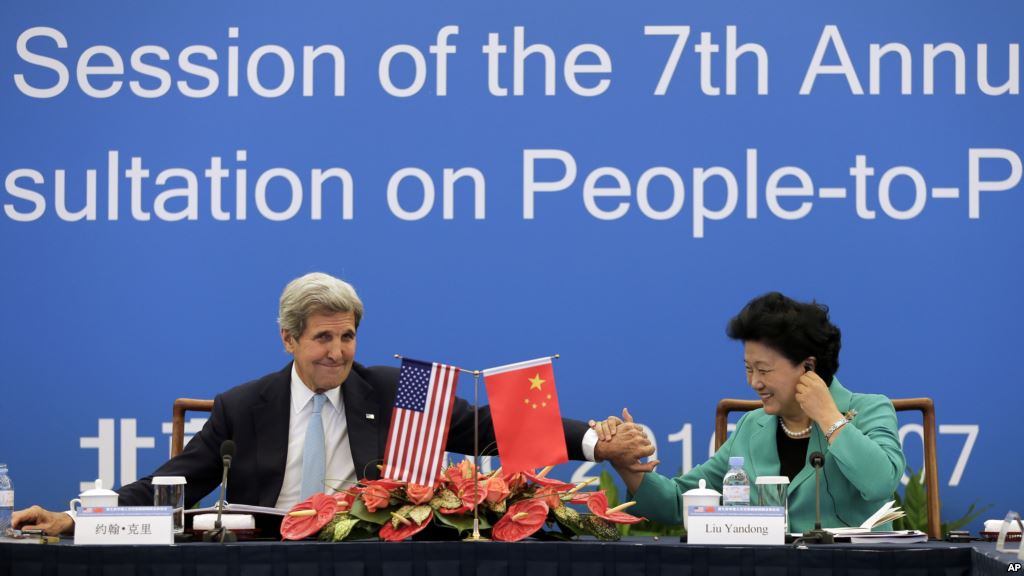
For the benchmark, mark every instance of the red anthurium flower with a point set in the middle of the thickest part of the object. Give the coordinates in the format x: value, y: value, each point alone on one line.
x: 598, y: 504
x: 405, y: 530
x: 515, y: 481
x: 582, y: 497
x: 551, y: 495
x: 522, y: 519
x: 545, y: 481
x: 344, y: 500
x: 308, y: 517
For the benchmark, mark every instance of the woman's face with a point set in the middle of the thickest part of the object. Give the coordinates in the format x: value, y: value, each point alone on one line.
x: 773, y: 377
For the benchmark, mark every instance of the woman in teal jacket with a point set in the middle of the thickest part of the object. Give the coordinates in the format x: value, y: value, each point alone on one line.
x: 791, y: 353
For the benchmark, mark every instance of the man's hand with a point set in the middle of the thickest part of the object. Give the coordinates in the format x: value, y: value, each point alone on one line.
x: 626, y: 446
x: 53, y: 523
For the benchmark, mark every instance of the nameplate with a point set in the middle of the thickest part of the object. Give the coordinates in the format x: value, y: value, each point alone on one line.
x: 125, y: 525
x: 737, y: 525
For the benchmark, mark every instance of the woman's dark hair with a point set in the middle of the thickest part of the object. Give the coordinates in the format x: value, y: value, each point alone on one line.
x: 794, y: 329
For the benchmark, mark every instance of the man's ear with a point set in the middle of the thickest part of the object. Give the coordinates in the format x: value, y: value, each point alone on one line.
x: 289, y: 342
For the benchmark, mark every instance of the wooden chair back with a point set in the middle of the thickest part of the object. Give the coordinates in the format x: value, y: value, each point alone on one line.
x: 182, y: 405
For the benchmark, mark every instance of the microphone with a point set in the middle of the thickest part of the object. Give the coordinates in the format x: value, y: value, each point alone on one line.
x: 818, y: 535
x: 227, y: 453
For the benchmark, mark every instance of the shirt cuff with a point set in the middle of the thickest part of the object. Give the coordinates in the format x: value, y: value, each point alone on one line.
x: 589, y: 442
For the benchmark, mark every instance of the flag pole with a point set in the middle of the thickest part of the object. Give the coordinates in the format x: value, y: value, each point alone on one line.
x: 463, y: 370
x: 476, y: 537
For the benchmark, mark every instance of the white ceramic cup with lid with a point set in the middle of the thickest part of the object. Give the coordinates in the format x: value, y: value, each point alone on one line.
x: 97, y: 497
x: 701, y: 496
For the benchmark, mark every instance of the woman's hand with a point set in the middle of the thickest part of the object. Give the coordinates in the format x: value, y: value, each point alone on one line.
x: 816, y: 401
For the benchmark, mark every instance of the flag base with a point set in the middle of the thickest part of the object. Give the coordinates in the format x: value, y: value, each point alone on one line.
x: 475, y: 536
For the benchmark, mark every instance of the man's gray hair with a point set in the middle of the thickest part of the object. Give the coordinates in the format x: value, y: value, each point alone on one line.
x: 316, y: 293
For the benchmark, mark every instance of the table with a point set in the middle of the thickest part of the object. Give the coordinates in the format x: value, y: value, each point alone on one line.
x: 631, y: 557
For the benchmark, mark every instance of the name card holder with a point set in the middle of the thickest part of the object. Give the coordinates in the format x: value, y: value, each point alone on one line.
x: 747, y: 525
x: 1004, y: 532
x: 125, y: 525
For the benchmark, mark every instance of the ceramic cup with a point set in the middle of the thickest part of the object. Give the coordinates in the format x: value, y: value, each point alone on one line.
x: 701, y: 496
x: 97, y: 497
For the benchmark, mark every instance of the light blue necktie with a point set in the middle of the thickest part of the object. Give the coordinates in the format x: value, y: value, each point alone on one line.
x: 313, y: 459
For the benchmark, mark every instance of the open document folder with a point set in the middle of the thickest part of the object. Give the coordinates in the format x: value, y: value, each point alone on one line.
x: 865, y: 533
x: 239, y: 509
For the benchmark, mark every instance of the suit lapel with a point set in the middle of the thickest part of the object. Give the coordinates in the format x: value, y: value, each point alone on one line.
x: 362, y: 412
x: 271, y: 416
x: 816, y: 444
x: 764, y: 459
x: 842, y: 397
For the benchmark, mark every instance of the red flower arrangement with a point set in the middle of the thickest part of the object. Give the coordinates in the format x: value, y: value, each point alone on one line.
x: 512, y: 507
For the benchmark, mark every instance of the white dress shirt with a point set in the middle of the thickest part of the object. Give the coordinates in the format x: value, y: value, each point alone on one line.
x: 340, y: 469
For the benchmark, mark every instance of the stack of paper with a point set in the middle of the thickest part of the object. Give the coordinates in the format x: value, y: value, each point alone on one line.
x: 865, y: 533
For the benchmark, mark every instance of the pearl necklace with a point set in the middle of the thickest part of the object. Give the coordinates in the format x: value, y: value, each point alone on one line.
x: 792, y: 434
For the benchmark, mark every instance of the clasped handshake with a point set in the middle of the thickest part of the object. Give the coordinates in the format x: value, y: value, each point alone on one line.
x: 624, y: 444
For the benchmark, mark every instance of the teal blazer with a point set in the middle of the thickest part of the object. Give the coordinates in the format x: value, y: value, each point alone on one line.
x: 862, y: 469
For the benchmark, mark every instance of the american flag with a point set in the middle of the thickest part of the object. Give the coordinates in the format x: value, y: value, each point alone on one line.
x: 419, y: 422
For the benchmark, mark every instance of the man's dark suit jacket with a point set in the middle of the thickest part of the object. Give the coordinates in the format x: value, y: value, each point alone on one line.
x: 255, y: 416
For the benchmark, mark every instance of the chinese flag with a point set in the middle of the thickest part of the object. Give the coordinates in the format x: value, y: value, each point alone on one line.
x: 524, y: 408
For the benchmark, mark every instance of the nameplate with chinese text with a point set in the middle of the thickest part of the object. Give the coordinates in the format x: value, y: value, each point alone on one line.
x: 125, y: 525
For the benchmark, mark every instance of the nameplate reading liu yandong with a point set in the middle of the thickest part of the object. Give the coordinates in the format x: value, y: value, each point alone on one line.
x: 737, y: 525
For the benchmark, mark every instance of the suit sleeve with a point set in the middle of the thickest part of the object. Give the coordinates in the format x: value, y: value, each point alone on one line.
x: 868, y: 451
x: 658, y: 497
x: 199, y: 463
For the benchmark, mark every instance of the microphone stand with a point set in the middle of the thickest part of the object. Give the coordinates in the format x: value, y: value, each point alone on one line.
x: 219, y: 532
x: 817, y: 536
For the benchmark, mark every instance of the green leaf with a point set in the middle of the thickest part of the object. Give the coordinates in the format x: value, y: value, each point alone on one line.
x: 597, y: 526
x: 359, y: 511
x: 460, y: 522
x: 445, y: 498
x: 402, y: 512
x: 499, y: 508
x: 915, y: 504
x: 363, y: 530
x: 899, y: 523
x: 607, y: 483
x: 966, y: 519
x: 419, y: 514
x: 569, y: 520
x: 344, y: 527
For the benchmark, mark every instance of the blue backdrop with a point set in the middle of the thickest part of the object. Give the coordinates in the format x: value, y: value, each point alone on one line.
x: 617, y: 208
